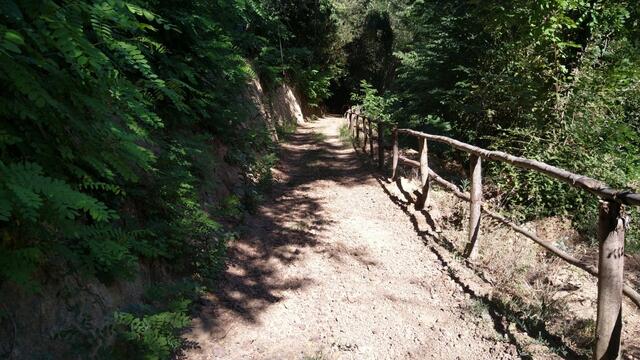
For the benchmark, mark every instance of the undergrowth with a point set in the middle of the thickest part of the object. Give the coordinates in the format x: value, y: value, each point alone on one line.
x: 118, y: 121
x: 286, y: 130
x: 152, y: 329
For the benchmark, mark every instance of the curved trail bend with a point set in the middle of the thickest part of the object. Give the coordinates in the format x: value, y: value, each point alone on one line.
x: 331, y: 268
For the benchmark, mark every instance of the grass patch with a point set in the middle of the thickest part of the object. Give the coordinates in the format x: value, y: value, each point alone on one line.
x: 345, y: 134
x: 319, y: 137
x: 478, y: 308
x: 286, y: 130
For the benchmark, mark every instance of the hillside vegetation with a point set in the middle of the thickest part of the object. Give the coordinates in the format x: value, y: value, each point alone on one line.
x: 554, y: 80
x: 120, y: 120
x: 112, y: 115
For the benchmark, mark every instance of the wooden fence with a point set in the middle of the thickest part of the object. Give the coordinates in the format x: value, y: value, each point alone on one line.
x: 612, y: 220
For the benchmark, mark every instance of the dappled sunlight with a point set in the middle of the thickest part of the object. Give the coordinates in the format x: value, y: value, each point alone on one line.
x: 290, y: 221
x: 328, y: 262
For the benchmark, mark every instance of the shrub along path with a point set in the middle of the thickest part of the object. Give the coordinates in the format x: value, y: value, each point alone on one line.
x: 330, y: 267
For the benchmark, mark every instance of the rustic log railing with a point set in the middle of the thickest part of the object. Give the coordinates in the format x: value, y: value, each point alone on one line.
x: 612, y: 220
x: 359, y: 123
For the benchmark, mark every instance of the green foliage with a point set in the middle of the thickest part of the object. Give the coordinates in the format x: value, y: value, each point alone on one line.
x: 113, y: 117
x: 231, y: 207
x: 556, y: 81
x: 287, y: 129
x: 155, y: 335
x: 370, y: 54
x: 152, y: 329
x: 367, y: 34
x: 316, y: 85
x: 93, y: 153
x: 108, y: 113
x: 373, y: 105
x: 297, y: 42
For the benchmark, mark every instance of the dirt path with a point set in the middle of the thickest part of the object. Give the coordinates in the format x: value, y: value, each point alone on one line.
x: 331, y: 268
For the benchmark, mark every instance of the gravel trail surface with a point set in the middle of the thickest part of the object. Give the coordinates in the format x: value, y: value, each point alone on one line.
x: 331, y: 268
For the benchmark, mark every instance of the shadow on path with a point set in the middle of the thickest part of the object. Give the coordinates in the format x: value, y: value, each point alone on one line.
x: 501, y: 314
x: 289, y: 220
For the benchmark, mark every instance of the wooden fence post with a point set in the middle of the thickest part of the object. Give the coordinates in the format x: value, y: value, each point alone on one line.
x: 365, y: 134
x: 380, y: 145
x: 476, y: 206
x: 611, y: 228
x: 424, y: 174
x: 371, y: 138
x: 357, y: 129
x: 396, y: 154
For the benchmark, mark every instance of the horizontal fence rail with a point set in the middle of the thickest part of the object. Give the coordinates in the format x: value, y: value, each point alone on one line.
x: 612, y: 220
x: 593, y: 186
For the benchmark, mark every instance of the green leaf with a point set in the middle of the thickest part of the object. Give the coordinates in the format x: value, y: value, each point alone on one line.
x: 14, y: 37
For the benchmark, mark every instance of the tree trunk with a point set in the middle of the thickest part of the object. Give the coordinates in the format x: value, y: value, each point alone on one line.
x: 364, y: 134
x: 357, y: 130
